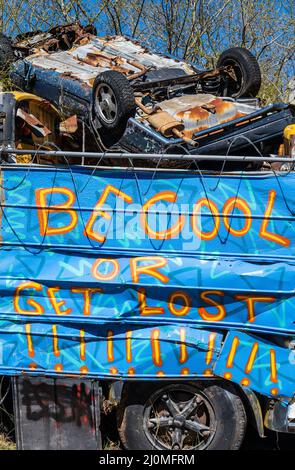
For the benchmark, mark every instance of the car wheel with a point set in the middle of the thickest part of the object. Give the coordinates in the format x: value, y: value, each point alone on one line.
x: 246, y: 69
x: 6, y: 51
x: 182, y: 416
x: 113, y: 104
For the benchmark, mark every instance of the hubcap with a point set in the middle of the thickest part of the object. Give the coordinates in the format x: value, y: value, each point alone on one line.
x: 106, y: 103
x: 179, y: 417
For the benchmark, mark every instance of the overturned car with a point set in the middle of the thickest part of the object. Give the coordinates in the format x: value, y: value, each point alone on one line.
x: 126, y: 95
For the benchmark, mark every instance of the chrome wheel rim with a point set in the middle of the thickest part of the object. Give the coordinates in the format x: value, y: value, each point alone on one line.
x: 179, y: 417
x: 106, y: 103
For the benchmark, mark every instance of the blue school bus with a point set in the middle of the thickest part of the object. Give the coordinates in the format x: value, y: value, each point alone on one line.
x: 171, y: 289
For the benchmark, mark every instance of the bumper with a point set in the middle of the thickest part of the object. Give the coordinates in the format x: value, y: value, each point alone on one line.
x: 280, y: 416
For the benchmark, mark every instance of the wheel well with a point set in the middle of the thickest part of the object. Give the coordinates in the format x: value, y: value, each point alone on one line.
x: 253, y: 408
x: 251, y: 401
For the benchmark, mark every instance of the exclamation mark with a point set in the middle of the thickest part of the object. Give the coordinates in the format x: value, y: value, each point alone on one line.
x: 273, y: 371
x: 128, y: 346
x: 110, y: 346
x: 156, y: 352
x: 252, y: 358
x: 56, y: 350
x: 231, y: 356
x: 273, y: 366
x: 183, y: 350
x: 232, y: 353
x: 31, y: 351
x: 82, y: 346
x: 210, y: 351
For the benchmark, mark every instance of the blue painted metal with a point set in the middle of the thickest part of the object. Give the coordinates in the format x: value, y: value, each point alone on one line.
x: 262, y: 376
x: 218, y: 293
x: 76, y: 95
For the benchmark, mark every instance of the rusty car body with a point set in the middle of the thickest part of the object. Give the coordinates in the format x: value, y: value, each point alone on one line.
x: 140, y: 101
x: 28, y: 122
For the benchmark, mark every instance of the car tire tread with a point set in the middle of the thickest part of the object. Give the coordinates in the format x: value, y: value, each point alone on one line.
x: 6, y: 51
x: 249, y: 66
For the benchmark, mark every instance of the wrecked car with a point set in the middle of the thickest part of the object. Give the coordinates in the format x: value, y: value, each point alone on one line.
x: 128, y: 96
x: 28, y: 122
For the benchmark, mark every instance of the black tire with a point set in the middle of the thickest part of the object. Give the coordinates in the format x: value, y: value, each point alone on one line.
x: 225, y: 415
x: 113, y: 121
x: 246, y: 69
x: 6, y: 51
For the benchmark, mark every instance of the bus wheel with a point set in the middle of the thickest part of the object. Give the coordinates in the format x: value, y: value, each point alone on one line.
x: 181, y: 416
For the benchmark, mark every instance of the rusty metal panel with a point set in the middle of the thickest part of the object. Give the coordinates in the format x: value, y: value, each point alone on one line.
x: 133, y: 50
x: 53, y: 414
x: 201, y: 111
x: 92, y: 55
x: 82, y: 44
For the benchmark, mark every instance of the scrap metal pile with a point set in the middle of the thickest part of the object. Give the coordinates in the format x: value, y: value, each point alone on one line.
x: 112, y: 93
